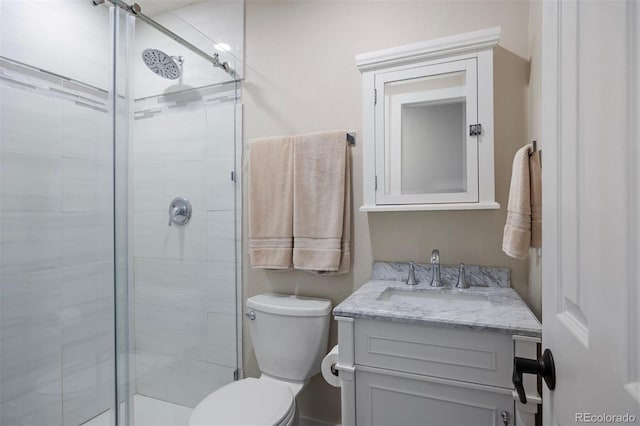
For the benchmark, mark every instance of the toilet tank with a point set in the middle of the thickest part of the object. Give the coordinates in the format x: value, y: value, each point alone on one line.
x: 289, y: 334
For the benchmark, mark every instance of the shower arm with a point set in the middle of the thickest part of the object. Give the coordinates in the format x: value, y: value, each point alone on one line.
x: 136, y: 11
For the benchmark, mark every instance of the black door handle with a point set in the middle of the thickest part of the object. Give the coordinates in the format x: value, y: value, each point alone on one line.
x: 544, y: 367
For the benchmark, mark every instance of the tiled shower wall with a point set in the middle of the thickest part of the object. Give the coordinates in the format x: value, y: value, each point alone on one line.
x: 185, y: 276
x: 56, y: 227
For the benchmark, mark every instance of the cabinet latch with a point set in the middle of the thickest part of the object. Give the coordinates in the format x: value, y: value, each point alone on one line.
x: 475, y: 129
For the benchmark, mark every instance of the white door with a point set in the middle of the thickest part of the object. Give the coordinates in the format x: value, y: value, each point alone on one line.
x: 591, y: 210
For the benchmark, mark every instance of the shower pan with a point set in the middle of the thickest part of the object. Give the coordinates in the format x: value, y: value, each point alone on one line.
x: 107, y: 315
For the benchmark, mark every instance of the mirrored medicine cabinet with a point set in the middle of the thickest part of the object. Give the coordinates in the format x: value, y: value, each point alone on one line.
x: 428, y: 124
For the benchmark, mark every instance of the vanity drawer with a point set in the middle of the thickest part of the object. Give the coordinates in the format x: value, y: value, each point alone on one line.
x: 385, y: 397
x: 470, y: 356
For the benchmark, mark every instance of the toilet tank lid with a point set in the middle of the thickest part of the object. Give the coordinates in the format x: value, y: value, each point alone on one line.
x: 286, y: 304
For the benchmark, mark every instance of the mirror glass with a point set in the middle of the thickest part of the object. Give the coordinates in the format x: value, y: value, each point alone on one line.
x: 426, y: 135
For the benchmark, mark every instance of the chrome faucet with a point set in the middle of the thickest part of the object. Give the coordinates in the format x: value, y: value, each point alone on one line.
x: 435, y: 263
x: 462, y: 279
x: 411, y: 280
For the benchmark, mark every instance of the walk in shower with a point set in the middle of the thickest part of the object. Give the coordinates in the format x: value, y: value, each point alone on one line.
x: 114, y: 308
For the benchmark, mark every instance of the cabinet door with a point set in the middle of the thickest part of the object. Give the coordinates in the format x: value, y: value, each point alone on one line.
x: 385, y: 398
x: 425, y: 152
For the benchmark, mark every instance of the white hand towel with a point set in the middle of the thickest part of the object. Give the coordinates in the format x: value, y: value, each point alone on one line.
x: 517, y: 231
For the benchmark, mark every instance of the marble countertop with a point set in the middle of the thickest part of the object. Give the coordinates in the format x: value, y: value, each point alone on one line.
x: 505, y: 311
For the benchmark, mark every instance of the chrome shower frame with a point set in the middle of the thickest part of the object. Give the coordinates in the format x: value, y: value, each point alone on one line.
x: 135, y: 10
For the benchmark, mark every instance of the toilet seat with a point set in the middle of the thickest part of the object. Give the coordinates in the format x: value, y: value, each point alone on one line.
x: 246, y: 402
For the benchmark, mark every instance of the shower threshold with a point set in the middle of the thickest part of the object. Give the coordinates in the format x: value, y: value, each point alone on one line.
x: 149, y: 412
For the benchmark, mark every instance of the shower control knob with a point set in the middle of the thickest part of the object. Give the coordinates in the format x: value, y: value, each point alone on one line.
x: 251, y: 315
x: 179, y: 211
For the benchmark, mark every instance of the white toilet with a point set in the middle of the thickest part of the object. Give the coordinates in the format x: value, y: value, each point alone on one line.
x: 290, y: 336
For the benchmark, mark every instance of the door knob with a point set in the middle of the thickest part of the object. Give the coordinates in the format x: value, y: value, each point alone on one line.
x: 544, y: 367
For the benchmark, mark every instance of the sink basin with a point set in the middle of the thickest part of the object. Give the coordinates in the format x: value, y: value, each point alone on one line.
x: 437, y: 298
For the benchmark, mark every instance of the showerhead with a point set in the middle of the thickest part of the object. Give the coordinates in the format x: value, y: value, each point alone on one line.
x: 162, y: 64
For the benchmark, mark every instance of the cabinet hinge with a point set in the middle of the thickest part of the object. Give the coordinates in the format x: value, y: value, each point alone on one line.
x: 233, y: 175
x: 236, y: 375
x: 375, y: 96
x: 375, y: 182
x: 475, y: 129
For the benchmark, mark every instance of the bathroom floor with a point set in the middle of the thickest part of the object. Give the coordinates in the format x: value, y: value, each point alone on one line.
x: 149, y: 412
x: 154, y: 412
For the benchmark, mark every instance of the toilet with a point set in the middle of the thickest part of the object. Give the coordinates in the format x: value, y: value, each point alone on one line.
x: 290, y: 336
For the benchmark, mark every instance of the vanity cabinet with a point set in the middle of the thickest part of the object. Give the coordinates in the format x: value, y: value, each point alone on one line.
x: 398, y: 373
x: 428, y: 124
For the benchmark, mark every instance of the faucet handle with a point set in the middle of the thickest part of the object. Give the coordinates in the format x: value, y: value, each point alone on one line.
x: 411, y: 280
x: 462, y: 280
x: 435, y: 256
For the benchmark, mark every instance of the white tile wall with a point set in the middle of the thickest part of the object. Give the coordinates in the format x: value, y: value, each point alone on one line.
x: 30, y: 241
x: 30, y: 182
x: 80, y: 122
x: 56, y: 232
x: 221, y: 236
x: 171, y: 136
x: 87, y: 289
x: 86, y: 238
x: 219, y: 132
x: 29, y: 362
x: 220, y: 190
x: 87, y: 185
x: 154, y: 239
x: 69, y: 38
x: 30, y: 302
x: 180, y: 381
x: 87, y: 393
x: 185, y: 283
x: 42, y: 407
x: 220, y: 288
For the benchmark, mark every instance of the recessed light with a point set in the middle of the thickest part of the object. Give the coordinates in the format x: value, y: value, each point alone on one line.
x: 224, y: 47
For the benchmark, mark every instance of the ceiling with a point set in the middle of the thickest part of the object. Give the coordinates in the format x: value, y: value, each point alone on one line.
x: 156, y: 7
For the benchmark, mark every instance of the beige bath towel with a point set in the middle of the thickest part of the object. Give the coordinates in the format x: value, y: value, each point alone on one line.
x: 524, y: 191
x: 321, y: 203
x: 535, y: 175
x: 271, y: 203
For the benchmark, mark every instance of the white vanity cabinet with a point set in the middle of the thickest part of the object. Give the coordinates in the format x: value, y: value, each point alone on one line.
x: 428, y: 124
x: 403, y: 374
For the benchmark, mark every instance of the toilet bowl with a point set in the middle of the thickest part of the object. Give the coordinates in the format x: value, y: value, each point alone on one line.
x: 290, y: 336
x: 247, y: 402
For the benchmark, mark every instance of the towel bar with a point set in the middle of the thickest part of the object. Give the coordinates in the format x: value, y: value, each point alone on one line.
x: 535, y: 148
x: 351, y: 138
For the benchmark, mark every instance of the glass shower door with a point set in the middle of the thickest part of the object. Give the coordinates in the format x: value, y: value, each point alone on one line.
x: 57, y: 364
x: 184, y: 311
